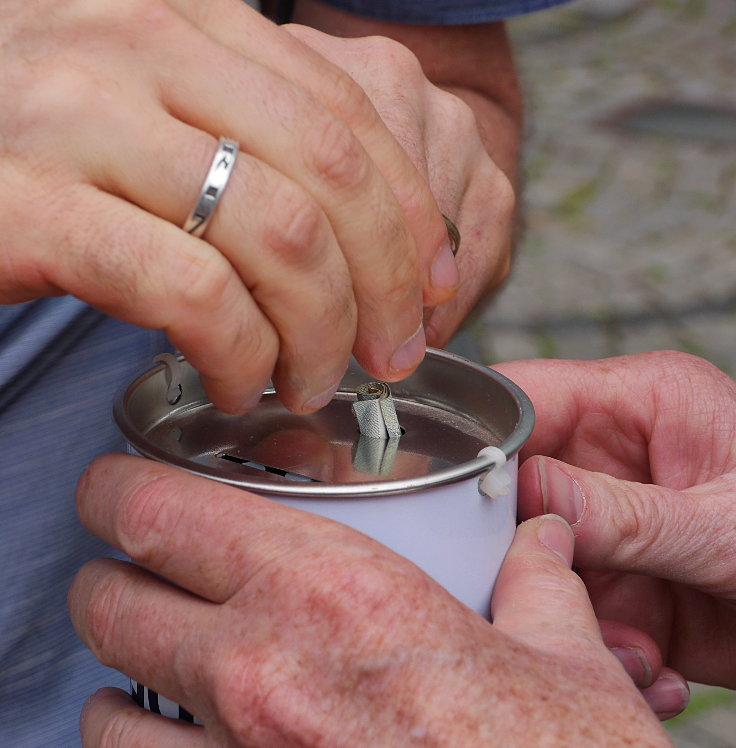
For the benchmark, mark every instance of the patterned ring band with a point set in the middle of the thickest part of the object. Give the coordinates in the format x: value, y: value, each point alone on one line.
x: 453, y: 233
x: 213, y: 187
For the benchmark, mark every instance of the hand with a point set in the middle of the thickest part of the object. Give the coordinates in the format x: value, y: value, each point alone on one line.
x: 450, y: 96
x: 324, y: 237
x: 282, y: 628
x: 655, y: 524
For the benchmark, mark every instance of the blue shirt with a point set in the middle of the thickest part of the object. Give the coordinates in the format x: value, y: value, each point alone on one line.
x: 441, y: 12
x: 60, y: 365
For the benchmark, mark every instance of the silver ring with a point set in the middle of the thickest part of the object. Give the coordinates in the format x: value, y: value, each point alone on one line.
x: 453, y: 233
x: 213, y: 187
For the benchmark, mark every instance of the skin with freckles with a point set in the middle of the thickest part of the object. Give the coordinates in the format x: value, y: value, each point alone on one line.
x: 638, y: 453
x: 281, y: 628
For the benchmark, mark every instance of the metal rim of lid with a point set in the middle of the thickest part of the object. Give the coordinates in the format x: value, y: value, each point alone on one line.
x: 472, y: 468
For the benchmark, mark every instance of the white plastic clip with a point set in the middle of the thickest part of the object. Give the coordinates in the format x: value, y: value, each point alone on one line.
x: 496, y: 482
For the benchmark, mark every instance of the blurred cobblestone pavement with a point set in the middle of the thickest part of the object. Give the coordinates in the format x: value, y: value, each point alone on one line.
x: 630, y: 238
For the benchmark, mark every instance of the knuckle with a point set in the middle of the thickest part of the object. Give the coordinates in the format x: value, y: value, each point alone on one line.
x: 238, y: 690
x: 637, y: 523
x: 403, y: 283
x: 503, y: 196
x: 251, y: 346
x: 366, y: 589
x: 147, y: 514
x: 121, y: 729
x: 349, y: 101
x: 337, y: 157
x: 199, y: 281
x: 66, y: 96
x: 678, y: 366
x: 395, y: 58
x: 105, y: 600
x: 63, y: 89
x: 259, y: 343
x: 296, y: 230
x: 458, y: 116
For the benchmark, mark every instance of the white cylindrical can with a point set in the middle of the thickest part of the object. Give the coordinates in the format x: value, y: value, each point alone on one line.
x: 443, y: 494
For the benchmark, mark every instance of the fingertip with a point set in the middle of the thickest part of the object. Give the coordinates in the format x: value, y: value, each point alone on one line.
x: 227, y: 396
x: 549, y: 486
x: 444, y: 276
x: 536, y: 593
x: 635, y: 649
x: 635, y: 663
x: 555, y: 534
x: 531, y: 501
x: 409, y: 355
x: 97, y: 709
x: 669, y: 695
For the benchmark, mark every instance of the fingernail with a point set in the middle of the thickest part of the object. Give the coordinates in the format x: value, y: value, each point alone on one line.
x: 560, y: 493
x: 667, y: 696
x: 251, y: 402
x: 444, y: 271
x: 410, y: 353
x: 556, y: 534
x: 635, y: 664
x: 319, y: 401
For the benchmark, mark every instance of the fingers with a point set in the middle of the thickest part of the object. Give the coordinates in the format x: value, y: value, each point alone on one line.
x: 664, y: 689
x: 185, y: 528
x: 479, y: 198
x: 229, y: 24
x: 484, y: 221
x: 111, y: 719
x: 267, y: 115
x: 335, y: 198
x: 440, y: 134
x: 664, y: 411
x: 537, y: 598
x: 635, y: 650
x: 668, y: 695
x: 277, y: 240
x: 148, y: 629
x: 140, y: 269
x: 644, y: 529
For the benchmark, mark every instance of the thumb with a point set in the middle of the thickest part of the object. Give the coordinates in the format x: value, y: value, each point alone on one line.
x: 537, y: 597
x: 681, y: 536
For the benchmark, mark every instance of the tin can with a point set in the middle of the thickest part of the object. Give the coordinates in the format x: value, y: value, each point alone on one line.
x: 443, y: 494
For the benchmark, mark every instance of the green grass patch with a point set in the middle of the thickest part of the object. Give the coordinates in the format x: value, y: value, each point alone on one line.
x: 575, y: 201
x: 703, y: 701
x: 545, y: 343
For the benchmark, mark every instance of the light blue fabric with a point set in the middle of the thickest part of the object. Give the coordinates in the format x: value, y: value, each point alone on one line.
x: 60, y: 365
x: 442, y: 12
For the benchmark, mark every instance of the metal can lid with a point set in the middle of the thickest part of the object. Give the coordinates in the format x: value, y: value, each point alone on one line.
x: 449, y: 409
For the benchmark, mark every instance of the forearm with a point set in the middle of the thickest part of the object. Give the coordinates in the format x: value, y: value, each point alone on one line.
x: 474, y: 62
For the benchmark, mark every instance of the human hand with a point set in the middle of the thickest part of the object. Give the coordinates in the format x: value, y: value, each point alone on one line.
x: 645, y: 471
x: 279, y: 627
x: 457, y: 133
x: 324, y: 237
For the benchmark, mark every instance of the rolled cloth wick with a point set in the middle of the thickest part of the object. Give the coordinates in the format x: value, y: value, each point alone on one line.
x: 375, y: 411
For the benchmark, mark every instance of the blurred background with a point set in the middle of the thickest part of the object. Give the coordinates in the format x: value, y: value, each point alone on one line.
x: 629, y: 217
